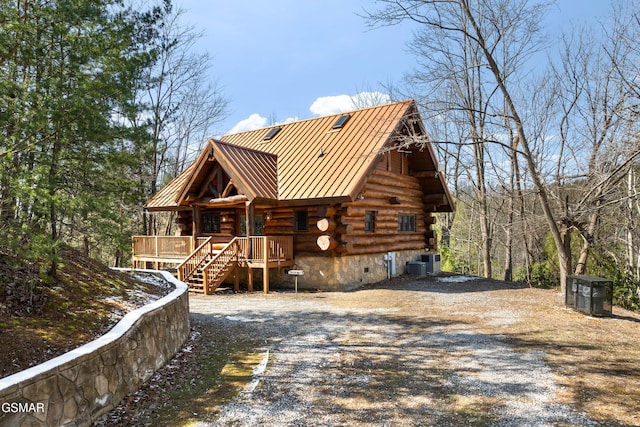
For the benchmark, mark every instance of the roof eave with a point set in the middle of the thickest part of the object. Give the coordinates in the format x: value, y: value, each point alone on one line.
x: 316, y: 201
x: 204, y: 155
x: 166, y: 208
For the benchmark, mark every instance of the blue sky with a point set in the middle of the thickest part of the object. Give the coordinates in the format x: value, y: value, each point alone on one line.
x: 279, y: 60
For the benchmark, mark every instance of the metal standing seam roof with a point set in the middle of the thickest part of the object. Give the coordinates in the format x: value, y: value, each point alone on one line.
x: 307, y: 159
x: 347, y: 156
x: 255, y: 172
x: 167, y: 197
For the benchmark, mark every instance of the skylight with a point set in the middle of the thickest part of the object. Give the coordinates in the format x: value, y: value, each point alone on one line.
x: 341, y: 121
x: 271, y: 133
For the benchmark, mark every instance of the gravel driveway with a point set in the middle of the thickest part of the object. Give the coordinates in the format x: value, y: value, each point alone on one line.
x: 416, y: 352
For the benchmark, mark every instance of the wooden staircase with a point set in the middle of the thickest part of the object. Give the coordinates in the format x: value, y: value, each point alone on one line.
x: 209, y: 265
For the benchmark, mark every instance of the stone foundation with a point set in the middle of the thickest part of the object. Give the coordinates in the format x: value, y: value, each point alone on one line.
x: 343, y: 273
x: 80, y: 386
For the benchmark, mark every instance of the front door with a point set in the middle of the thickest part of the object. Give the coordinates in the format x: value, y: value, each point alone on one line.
x: 258, y: 226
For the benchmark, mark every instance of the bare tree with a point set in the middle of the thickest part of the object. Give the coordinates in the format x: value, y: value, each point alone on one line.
x: 626, y: 32
x: 183, y: 105
x: 632, y: 212
x: 475, y: 49
x: 597, y: 132
x: 506, y: 33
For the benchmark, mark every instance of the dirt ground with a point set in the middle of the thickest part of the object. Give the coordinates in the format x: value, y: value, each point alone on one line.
x: 405, y: 352
x: 41, y: 320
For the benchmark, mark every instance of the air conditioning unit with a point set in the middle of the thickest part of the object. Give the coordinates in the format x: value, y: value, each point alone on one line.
x: 432, y: 261
x: 417, y: 268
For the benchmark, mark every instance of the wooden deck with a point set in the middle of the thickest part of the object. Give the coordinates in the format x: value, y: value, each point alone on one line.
x: 205, y: 262
x: 162, y: 249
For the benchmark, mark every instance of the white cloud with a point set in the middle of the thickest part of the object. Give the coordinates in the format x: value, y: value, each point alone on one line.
x: 326, y: 105
x: 254, y: 121
x: 288, y: 120
x: 369, y: 99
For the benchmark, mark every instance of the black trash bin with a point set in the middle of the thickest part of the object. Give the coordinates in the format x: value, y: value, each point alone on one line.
x: 591, y: 295
x: 571, y: 292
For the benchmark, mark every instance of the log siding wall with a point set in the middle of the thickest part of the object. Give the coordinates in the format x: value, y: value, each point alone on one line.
x: 389, y: 195
x: 342, y: 231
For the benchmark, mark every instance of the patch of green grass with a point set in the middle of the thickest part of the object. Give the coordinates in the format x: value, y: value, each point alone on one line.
x: 222, y: 367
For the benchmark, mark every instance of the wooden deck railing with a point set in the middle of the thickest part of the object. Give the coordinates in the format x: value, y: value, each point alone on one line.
x: 215, y: 271
x: 276, y: 248
x: 279, y: 248
x: 196, y: 259
x: 167, y: 247
x: 192, y: 252
x: 164, y: 248
x: 213, y: 259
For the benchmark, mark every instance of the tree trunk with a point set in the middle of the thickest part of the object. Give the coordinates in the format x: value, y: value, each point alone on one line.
x: 485, y: 226
x: 564, y: 256
x: 511, y: 202
x: 508, y: 245
x: 632, y: 257
x: 53, y: 213
x: 587, y: 239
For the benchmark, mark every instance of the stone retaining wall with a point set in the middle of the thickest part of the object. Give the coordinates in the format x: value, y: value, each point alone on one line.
x: 78, y: 387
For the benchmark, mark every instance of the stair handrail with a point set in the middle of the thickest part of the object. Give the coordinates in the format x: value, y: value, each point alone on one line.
x: 193, y: 261
x: 226, y: 257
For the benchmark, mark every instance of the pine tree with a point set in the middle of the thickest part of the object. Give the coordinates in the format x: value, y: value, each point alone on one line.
x: 68, y: 70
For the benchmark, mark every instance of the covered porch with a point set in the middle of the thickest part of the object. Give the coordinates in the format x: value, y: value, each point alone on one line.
x: 222, y: 202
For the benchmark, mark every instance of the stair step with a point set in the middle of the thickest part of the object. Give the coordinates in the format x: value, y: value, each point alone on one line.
x: 216, y: 275
x: 196, y: 287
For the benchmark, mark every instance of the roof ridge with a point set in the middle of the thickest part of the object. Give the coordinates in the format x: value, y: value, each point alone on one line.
x: 406, y: 101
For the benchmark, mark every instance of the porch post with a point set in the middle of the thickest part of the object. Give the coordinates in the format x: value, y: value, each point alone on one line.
x: 248, y: 218
x: 265, y: 274
x: 195, y: 223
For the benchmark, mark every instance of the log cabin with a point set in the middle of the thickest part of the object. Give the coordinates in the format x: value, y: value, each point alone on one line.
x: 343, y: 198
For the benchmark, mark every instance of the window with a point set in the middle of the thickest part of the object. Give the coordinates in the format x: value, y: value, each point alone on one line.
x: 302, y: 221
x: 272, y: 133
x: 341, y: 121
x: 211, y: 223
x: 370, y: 221
x: 406, y: 222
